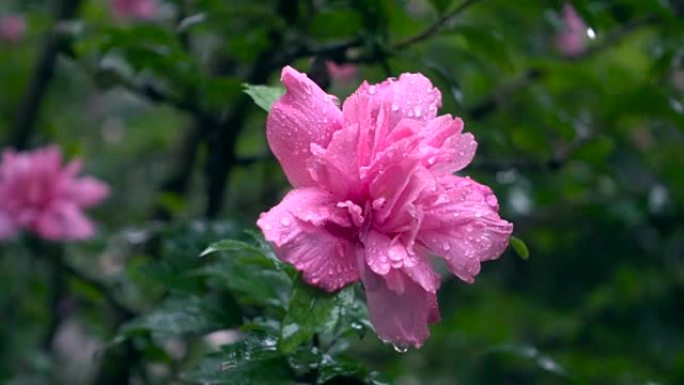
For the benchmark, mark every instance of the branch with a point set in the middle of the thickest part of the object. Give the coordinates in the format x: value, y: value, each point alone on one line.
x: 41, y: 77
x: 435, y: 27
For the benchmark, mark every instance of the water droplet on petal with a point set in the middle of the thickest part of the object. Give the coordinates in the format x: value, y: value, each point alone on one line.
x: 395, y: 107
x: 417, y: 111
x: 400, y: 348
x: 371, y: 90
x: 285, y: 221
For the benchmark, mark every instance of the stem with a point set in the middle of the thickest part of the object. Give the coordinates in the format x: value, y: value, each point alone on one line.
x: 57, y: 294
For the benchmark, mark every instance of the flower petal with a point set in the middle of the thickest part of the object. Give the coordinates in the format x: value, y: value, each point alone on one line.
x: 86, y: 191
x: 445, y: 148
x: 461, y: 223
x: 336, y: 168
x: 410, y: 96
x: 304, y: 115
x: 64, y: 222
x: 399, y: 308
x: 8, y: 228
x: 312, y: 233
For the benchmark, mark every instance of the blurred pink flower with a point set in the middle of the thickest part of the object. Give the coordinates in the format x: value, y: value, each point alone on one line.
x: 375, y: 197
x: 12, y: 28
x: 40, y: 195
x: 572, y: 40
x: 135, y: 9
x: 342, y: 72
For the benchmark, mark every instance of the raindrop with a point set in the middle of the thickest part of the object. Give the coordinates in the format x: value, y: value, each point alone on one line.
x: 286, y: 221
x: 371, y: 90
x: 395, y: 107
x: 418, y: 111
x: 356, y: 326
x: 591, y: 33
x: 400, y: 348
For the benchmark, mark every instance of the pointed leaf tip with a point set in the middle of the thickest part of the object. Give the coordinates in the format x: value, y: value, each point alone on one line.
x: 264, y: 96
x: 520, y: 248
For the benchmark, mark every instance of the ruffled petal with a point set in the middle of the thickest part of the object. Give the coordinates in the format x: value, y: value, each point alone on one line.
x: 445, y: 148
x: 399, y: 308
x: 310, y: 231
x: 384, y: 253
x: 422, y: 274
x: 461, y: 223
x: 64, y: 222
x: 303, y: 116
x: 410, y: 96
x: 336, y: 168
x: 395, y: 190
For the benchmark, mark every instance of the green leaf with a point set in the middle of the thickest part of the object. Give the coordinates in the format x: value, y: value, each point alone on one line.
x: 264, y: 96
x: 520, y: 248
x: 253, y: 360
x: 185, y: 315
x: 340, y: 366
x: 311, y: 311
x: 227, y: 245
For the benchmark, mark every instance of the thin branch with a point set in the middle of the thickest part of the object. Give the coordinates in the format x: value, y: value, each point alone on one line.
x: 435, y: 27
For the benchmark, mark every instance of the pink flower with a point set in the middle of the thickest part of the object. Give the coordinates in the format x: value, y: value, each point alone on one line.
x: 135, y: 9
x: 344, y: 73
x: 12, y: 28
x: 572, y: 40
x: 39, y: 195
x: 375, y: 197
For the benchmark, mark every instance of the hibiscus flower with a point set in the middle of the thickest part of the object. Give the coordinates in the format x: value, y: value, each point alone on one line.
x: 41, y: 196
x: 375, y: 197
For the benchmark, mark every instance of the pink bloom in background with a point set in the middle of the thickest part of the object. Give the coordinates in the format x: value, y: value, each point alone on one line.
x: 342, y: 72
x: 135, y: 9
x: 572, y: 40
x: 375, y: 196
x: 41, y: 195
x: 12, y: 28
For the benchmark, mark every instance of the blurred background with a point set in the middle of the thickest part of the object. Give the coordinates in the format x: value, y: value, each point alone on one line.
x: 578, y: 108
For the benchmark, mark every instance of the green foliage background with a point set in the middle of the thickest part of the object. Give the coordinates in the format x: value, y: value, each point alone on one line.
x: 586, y: 155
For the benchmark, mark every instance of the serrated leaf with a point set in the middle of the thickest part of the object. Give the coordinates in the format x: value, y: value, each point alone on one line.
x: 520, y: 248
x: 311, y: 311
x: 264, y: 96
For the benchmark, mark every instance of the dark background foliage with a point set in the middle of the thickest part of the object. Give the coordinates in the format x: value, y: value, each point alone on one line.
x: 586, y: 154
